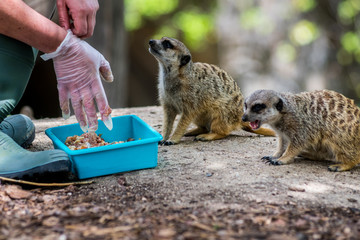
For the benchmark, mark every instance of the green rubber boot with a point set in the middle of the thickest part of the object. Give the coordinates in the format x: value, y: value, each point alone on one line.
x: 18, y: 163
x: 20, y: 128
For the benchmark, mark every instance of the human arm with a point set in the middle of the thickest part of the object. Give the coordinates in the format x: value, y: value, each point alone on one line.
x: 78, y: 15
x: 19, y: 21
x: 77, y: 65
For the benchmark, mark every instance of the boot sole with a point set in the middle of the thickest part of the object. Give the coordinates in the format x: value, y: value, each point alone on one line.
x: 51, y: 172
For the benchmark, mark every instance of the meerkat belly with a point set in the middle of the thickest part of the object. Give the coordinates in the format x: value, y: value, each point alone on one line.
x: 203, y: 119
x: 320, y: 151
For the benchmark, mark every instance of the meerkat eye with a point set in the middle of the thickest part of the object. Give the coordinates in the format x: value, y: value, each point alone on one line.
x: 258, y: 107
x: 167, y: 44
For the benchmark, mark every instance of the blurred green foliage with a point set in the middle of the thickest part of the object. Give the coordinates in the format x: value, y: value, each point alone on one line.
x: 349, y: 14
x: 194, y: 24
x: 285, y: 52
x: 347, y: 10
x: 304, y: 5
x: 253, y: 18
x: 137, y: 10
x: 304, y: 32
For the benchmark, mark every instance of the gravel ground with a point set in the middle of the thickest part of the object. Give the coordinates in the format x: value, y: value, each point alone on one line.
x: 199, y: 190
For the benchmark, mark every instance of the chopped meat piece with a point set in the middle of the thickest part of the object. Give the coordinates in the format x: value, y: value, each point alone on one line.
x: 89, y: 140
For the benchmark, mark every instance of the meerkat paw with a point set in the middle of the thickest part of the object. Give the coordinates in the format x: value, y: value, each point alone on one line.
x: 268, y: 158
x: 340, y: 167
x: 209, y: 137
x: 166, y: 143
x: 195, y: 132
x: 273, y: 160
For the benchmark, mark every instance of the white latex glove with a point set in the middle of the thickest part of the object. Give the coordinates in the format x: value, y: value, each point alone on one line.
x: 78, y: 68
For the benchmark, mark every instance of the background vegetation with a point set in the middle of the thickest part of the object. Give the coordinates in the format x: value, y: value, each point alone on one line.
x: 284, y: 45
x: 330, y: 27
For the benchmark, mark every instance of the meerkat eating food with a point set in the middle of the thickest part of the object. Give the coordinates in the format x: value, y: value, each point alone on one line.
x: 323, y: 125
x: 201, y: 93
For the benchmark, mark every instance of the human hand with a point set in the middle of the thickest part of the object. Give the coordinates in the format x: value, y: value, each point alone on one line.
x: 78, y: 68
x: 78, y: 15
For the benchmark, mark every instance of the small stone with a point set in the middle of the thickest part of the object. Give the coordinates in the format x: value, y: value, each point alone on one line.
x: 209, y: 174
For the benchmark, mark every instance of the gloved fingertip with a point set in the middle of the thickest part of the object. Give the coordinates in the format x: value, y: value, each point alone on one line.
x: 107, y: 77
x: 65, y: 115
x: 93, y: 128
x: 105, y: 71
x: 84, y: 128
x: 108, y: 122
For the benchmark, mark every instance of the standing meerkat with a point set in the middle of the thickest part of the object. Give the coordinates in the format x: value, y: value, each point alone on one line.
x: 202, y: 93
x: 323, y: 125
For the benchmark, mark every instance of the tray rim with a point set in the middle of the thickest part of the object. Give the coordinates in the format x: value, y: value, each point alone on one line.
x: 62, y: 146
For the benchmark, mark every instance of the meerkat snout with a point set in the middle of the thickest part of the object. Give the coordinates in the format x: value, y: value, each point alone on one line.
x: 151, y: 42
x: 244, y: 118
x: 263, y: 106
x: 153, y: 49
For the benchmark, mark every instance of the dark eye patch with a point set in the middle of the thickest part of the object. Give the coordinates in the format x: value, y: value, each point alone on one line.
x: 258, y: 107
x: 167, y: 44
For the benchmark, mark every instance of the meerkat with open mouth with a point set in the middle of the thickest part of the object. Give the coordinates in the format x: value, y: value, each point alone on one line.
x: 319, y: 125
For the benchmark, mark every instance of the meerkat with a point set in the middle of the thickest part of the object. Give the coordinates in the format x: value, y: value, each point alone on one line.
x: 319, y: 125
x: 201, y: 93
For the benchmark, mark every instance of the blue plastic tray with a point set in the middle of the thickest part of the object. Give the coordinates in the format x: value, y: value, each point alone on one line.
x: 104, y: 160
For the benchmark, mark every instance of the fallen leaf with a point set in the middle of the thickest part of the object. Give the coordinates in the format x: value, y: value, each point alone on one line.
x: 15, y: 192
x: 166, y: 233
x: 51, y: 221
x: 201, y: 226
x: 4, y: 197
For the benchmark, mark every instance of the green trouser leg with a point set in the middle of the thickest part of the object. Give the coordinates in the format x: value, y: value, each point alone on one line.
x: 16, y: 64
x: 17, y: 61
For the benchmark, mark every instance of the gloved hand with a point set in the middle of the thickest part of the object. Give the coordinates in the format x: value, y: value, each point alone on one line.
x: 78, y: 68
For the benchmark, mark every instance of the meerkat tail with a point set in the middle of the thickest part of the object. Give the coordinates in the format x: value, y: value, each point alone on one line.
x: 261, y: 131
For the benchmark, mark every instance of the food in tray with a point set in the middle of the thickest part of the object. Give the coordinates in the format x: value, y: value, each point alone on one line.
x: 89, y: 140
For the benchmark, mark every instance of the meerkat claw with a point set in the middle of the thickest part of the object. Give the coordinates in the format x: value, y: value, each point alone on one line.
x: 276, y: 162
x: 200, y: 139
x: 339, y: 167
x: 268, y: 158
x: 272, y: 160
x: 333, y: 168
x: 268, y: 161
x: 166, y: 143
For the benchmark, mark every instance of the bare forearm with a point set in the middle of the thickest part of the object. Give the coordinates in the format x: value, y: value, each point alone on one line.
x: 19, y: 21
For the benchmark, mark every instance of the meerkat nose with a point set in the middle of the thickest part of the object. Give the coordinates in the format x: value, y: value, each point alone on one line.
x: 244, y: 118
x: 151, y: 42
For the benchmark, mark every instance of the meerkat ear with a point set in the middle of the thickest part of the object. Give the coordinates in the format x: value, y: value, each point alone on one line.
x: 185, y: 60
x: 279, y: 105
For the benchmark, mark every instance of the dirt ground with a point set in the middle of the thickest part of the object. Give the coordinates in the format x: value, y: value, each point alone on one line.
x: 199, y: 190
